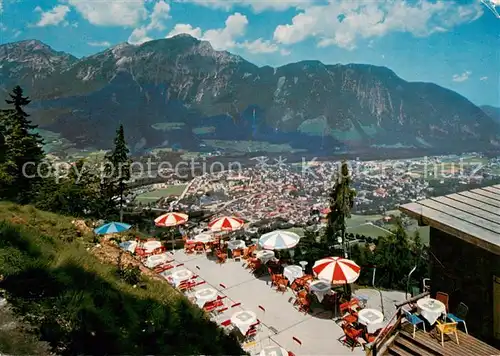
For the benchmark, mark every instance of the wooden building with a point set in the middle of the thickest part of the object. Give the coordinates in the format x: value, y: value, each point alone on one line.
x: 465, y: 254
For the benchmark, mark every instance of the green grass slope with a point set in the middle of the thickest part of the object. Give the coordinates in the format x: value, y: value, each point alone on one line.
x: 81, y: 306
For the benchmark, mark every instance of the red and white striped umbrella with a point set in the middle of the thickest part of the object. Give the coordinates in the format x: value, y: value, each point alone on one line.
x: 226, y: 223
x: 171, y: 219
x: 337, y: 270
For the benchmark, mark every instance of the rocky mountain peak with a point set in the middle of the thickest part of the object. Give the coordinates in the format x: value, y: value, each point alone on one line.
x: 35, y: 55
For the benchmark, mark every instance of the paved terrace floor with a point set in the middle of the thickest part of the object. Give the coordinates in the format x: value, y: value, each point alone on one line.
x: 281, y: 321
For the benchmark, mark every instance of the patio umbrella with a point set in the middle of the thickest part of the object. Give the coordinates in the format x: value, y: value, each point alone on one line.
x: 279, y: 240
x: 112, y: 228
x: 336, y: 270
x: 171, y: 219
x: 226, y: 223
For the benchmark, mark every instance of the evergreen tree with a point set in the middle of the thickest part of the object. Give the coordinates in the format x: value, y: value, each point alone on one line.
x: 341, y: 199
x: 118, y: 168
x: 23, y: 147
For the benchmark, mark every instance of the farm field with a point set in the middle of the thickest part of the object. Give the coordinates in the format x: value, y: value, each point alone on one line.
x: 156, y: 194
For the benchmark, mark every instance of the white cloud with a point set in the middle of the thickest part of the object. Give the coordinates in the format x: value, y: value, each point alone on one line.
x: 185, y: 28
x: 259, y: 46
x: 161, y: 13
x: 285, y: 52
x: 256, y: 5
x: 220, y: 39
x: 139, y: 36
x: 1, y: 6
x: 224, y: 38
x: 111, y: 12
x: 227, y: 37
x: 461, y: 77
x: 157, y: 18
x: 484, y: 78
x: 99, y: 43
x: 343, y: 23
x: 53, y: 17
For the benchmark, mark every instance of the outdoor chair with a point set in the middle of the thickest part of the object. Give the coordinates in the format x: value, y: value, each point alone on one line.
x: 199, y: 248
x: 237, y: 255
x: 282, y: 285
x: 186, y: 286
x: 250, y: 334
x: 460, y: 315
x: 304, y: 304
x: 294, y: 286
x: 448, y: 329
x: 221, y: 258
x: 163, y: 267
x: 414, y: 320
x: 443, y: 298
x: 351, y: 336
x: 188, y: 248
x: 350, y: 319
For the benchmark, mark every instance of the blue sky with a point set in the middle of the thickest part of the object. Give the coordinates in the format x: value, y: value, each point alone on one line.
x: 454, y: 43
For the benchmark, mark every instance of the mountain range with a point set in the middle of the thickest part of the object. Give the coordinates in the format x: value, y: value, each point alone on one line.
x: 180, y: 92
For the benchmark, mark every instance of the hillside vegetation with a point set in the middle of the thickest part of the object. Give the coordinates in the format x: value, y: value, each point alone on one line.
x: 80, y: 306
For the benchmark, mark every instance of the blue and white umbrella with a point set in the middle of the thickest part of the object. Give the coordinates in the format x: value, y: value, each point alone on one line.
x: 279, y: 240
x: 112, y: 228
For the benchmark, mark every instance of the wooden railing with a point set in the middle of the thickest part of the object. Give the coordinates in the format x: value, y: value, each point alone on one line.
x: 377, y: 345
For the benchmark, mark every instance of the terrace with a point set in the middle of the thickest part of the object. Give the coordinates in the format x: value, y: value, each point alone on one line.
x: 280, y: 322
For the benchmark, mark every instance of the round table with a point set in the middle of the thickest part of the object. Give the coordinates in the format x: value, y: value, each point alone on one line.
x: 273, y: 351
x: 292, y: 272
x: 303, y: 264
x: 320, y: 289
x: 264, y: 255
x: 371, y: 318
x: 235, y: 244
x: 203, y: 238
x: 150, y: 246
x: 431, y: 309
x: 243, y: 320
x: 180, y: 276
x: 204, y: 296
x: 155, y: 260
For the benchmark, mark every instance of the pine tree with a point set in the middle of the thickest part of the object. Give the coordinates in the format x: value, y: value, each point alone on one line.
x: 23, y: 147
x: 118, y: 167
x: 341, y: 199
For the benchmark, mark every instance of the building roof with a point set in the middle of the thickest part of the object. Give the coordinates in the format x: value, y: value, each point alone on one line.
x: 473, y: 216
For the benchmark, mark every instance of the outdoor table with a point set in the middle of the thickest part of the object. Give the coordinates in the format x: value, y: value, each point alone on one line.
x: 235, y: 244
x: 371, y: 318
x: 129, y: 246
x: 204, y: 296
x: 292, y: 272
x: 150, y: 246
x: 430, y: 309
x: 303, y: 264
x: 320, y: 289
x: 243, y: 319
x: 180, y: 276
x: 203, y: 238
x: 155, y: 260
x: 264, y: 255
x: 273, y: 351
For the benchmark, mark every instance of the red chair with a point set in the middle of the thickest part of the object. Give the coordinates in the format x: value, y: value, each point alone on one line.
x: 297, y: 340
x: 250, y: 334
x: 262, y: 308
x: 235, y: 305
x: 351, y: 336
x: 290, y: 353
x: 226, y: 323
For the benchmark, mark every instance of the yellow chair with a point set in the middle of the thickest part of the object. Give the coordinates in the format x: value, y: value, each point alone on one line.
x: 448, y: 329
